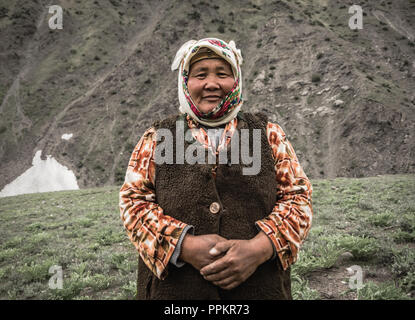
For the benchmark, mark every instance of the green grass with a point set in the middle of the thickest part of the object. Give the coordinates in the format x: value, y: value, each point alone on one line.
x: 78, y: 230
x: 301, y: 290
x: 373, y: 219
x: 383, y: 291
x: 370, y: 218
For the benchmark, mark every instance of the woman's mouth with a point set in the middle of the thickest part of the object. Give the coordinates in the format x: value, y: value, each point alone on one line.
x: 212, y: 98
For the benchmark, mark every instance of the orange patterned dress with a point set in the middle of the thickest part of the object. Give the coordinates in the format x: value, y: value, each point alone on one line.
x: 156, y: 235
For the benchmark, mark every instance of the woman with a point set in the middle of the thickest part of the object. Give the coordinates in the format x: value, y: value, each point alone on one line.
x: 208, y: 230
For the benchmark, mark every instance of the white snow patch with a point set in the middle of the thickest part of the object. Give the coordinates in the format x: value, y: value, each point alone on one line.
x: 44, y: 176
x: 67, y: 136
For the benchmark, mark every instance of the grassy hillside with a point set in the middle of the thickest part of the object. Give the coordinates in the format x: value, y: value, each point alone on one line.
x: 369, y: 222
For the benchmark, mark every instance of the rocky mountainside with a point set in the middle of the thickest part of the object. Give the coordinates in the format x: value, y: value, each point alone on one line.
x: 344, y: 97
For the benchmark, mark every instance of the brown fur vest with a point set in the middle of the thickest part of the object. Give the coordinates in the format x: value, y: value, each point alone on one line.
x: 186, y: 192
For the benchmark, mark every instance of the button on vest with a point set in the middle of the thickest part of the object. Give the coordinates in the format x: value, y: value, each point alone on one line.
x: 214, y: 207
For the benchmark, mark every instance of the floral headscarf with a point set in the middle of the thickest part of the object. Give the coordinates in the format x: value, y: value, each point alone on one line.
x: 229, y: 107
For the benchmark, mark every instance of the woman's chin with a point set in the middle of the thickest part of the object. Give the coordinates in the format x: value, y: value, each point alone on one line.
x: 206, y: 108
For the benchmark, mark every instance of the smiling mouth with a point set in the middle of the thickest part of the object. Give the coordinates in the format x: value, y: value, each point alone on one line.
x: 212, y: 98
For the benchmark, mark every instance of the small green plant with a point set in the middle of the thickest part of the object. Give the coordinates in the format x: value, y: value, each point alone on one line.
x: 13, y: 242
x: 362, y: 248
x: 382, y: 291
x: 108, y: 237
x: 35, y: 227
x: 8, y: 254
x: 407, y: 222
x: 321, y: 254
x: 315, y: 77
x: 85, y: 222
x: 129, y: 291
x: 403, y: 236
x: 35, y: 271
x: 403, y: 268
x: 382, y: 219
x: 301, y: 290
x: 118, y: 258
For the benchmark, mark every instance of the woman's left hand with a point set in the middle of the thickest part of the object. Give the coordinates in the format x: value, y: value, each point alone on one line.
x: 241, y: 260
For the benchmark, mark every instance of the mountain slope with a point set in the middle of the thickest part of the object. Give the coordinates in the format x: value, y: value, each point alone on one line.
x: 105, y: 77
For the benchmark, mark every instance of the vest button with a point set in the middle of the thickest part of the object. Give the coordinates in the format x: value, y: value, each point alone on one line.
x: 214, y: 207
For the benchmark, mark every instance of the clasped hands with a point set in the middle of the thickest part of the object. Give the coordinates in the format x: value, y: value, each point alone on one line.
x: 225, y: 263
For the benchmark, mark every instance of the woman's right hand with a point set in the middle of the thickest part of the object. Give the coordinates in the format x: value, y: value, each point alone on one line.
x: 195, y: 249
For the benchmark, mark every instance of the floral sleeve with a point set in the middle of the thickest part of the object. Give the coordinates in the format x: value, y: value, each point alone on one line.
x: 289, y: 222
x: 154, y: 234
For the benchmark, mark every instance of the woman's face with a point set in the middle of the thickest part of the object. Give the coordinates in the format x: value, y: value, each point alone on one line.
x: 210, y: 80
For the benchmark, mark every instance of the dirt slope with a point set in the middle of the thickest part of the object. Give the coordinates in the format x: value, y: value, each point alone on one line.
x: 344, y: 97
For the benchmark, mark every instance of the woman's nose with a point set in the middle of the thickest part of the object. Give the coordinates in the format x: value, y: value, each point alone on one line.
x: 211, y: 83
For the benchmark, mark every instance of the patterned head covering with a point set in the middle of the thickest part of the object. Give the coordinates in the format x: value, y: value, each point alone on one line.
x: 204, y: 53
x: 229, y: 107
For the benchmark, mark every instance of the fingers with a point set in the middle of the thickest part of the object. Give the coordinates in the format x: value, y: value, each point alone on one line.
x: 220, y: 263
x: 224, y: 283
x: 220, y: 247
x: 229, y: 282
x: 225, y: 279
x: 224, y: 274
x: 214, y: 267
x: 229, y: 286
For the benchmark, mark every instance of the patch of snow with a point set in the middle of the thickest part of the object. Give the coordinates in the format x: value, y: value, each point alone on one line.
x: 44, y: 176
x: 67, y: 136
